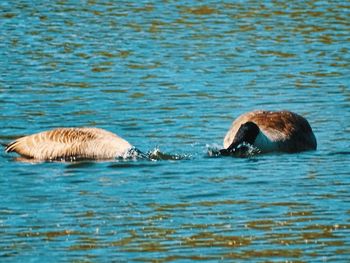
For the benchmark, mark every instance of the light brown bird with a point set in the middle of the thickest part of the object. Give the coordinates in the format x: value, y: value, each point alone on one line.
x: 70, y: 144
x: 270, y: 131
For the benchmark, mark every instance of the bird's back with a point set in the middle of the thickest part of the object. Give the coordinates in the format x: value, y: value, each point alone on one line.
x: 70, y: 143
x: 284, y: 130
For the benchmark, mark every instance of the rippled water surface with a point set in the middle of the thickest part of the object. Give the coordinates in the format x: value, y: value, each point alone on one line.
x: 170, y: 76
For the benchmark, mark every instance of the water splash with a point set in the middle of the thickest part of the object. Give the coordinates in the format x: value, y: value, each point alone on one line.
x: 153, y: 155
x: 243, y: 150
x: 213, y: 150
x: 158, y: 155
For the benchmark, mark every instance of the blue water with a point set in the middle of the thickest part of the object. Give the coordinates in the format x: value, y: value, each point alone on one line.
x: 171, y: 76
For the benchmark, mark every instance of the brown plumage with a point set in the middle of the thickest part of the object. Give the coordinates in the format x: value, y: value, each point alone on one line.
x: 282, y: 131
x: 70, y: 144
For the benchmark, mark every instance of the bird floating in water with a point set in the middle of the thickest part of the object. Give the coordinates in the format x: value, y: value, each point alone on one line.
x: 71, y: 144
x: 270, y: 131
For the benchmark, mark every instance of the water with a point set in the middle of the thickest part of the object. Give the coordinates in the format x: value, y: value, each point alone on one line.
x: 170, y: 77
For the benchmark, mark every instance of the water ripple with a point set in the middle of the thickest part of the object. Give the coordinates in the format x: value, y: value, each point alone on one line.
x: 170, y: 77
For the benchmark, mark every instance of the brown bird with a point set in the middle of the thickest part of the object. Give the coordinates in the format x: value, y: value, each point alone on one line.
x: 71, y: 144
x: 270, y: 131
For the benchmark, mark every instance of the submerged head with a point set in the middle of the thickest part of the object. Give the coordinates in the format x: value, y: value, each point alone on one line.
x: 247, y: 134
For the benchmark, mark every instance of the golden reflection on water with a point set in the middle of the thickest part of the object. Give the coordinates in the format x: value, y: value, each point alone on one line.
x: 290, y: 234
x: 202, y: 10
x: 290, y: 237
